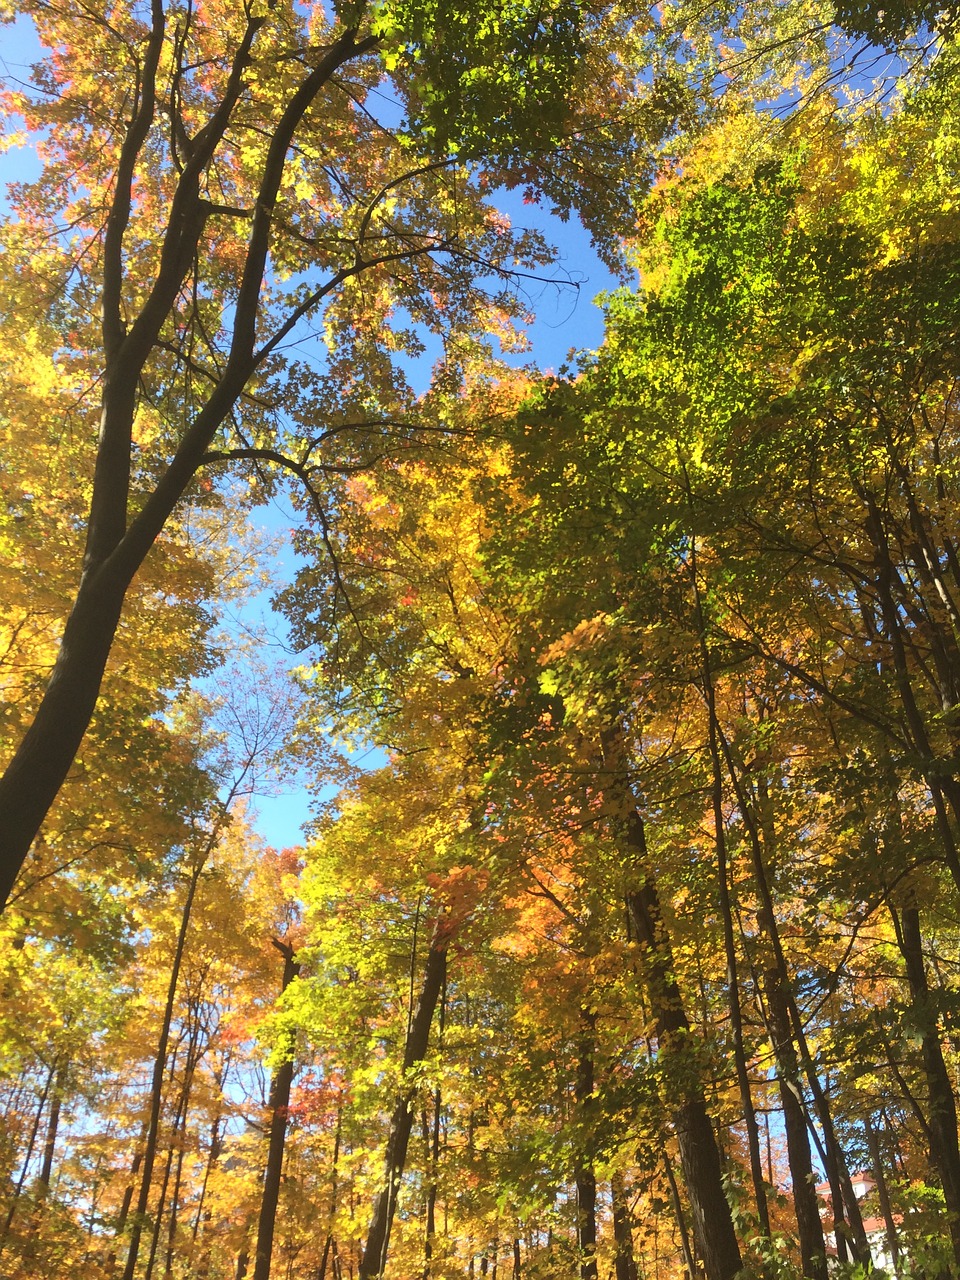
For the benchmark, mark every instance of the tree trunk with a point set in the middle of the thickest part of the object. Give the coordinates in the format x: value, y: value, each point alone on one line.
x: 941, y: 1125
x: 115, y: 550
x: 726, y: 912
x: 28, y: 1156
x: 848, y: 1222
x: 175, y: 1149
x: 432, y: 1142
x: 883, y: 1193
x: 699, y: 1157
x: 805, y: 1200
x: 160, y: 1205
x: 713, y: 1229
x: 278, y: 1104
x: 374, y: 1258
x: 213, y: 1156
x: 584, y: 1175
x: 174, y: 1219
x: 938, y: 780
x: 625, y: 1265
x: 689, y: 1261
x: 135, y: 1164
x: 37, y: 771
x: 53, y: 1124
x: 156, y: 1082
x: 851, y: 1239
x: 776, y: 986
x: 328, y: 1243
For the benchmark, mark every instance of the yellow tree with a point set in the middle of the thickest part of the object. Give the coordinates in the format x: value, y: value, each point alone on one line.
x: 222, y: 184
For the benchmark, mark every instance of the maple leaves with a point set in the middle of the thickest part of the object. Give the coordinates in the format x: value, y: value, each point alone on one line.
x: 659, y: 661
x: 716, y: 507
x: 227, y: 183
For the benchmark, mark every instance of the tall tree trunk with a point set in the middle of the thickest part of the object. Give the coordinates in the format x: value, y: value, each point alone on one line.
x: 689, y: 1260
x: 850, y: 1235
x: 175, y: 1149
x: 328, y: 1243
x: 243, y: 1261
x: 625, y: 1265
x: 159, y: 1067
x: 699, y: 1157
x: 433, y: 1160
x: 213, y: 1155
x: 433, y: 1152
x: 160, y: 1206
x: 940, y: 782
x: 726, y: 910
x: 776, y: 986
x: 713, y: 1229
x: 374, y: 1259
x: 584, y: 1175
x: 805, y: 1200
x: 883, y: 1193
x: 116, y: 545
x: 36, y: 773
x: 174, y: 1218
x: 28, y: 1156
x: 127, y: 1200
x: 278, y: 1104
x: 53, y: 1124
x: 941, y: 1107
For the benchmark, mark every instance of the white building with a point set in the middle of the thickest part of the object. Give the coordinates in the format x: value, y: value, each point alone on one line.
x: 881, y: 1252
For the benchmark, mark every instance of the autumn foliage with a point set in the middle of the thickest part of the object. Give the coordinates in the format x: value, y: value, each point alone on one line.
x: 624, y: 940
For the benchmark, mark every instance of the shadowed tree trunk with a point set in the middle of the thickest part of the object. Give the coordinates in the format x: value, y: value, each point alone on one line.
x: 805, y: 1201
x: 625, y: 1266
x: 374, y: 1258
x: 328, y: 1244
x: 117, y: 545
x: 941, y: 1125
x: 28, y: 1156
x: 776, y: 989
x: 689, y: 1260
x: 584, y: 1176
x: 433, y: 1157
x: 278, y: 1104
x: 149, y: 1154
x: 194, y: 1050
x: 726, y: 909
x: 53, y: 1124
x: 213, y: 1155
x: 883, y: 1193
x: 699, y: 1157
x: 713, y: 1229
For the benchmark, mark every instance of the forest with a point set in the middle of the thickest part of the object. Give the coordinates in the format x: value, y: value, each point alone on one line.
x: 623, y: 941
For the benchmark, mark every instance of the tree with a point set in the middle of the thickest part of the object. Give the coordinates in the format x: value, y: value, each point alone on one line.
x: 435, y: 636
x: 662, y: 662
x: 760, y: 300
x: 217, y: 180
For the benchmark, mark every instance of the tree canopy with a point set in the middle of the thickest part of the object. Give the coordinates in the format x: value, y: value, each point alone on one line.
x: 628, y: 943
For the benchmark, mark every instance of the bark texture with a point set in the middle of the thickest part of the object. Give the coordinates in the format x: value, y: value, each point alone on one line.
x: 278, y: 1105
x: 377, y: 1245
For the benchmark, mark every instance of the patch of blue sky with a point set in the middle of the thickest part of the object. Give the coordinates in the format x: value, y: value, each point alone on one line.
x: 19, y: 50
